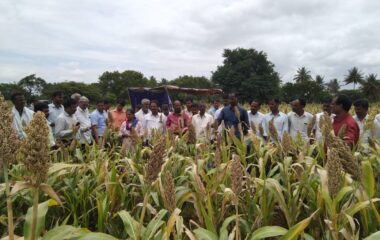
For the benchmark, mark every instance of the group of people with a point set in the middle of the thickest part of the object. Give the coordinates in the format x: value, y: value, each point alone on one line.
x: 71, y: 119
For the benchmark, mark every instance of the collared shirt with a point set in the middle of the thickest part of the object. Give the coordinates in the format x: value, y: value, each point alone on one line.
x: 256, y: 119
x: 377, y: 126
x: 318, y: 132
x: 364, y: 133
x: 140, y: 114
x: 212, y: 111
x: 83, y: 117
x: 180, y: 121
x: 21, y: 121
x: 280, y: 121
x: 118, y: 117
x: 99, y: 119
x: 54, y: 112
x: 202, y: 125
x: 64, y: 126
x: 227, y: 115
x: 156, y: 122
x: 299, y: 124
x: 352, y: 129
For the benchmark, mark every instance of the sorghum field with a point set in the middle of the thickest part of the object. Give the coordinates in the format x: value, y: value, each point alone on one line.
x: 181, y: 189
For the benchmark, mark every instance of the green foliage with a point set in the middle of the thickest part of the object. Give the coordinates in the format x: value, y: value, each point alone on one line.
x: 190, y: 82
x: 303, y: 75
x: 32, y: 85
x: 354, y: 76
x: 91, y: 91
x: 249, y: 73
x: 370, y: 87
x: 309, y: 90
x: 8, y: 88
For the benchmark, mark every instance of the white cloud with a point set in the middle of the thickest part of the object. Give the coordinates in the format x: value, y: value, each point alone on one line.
x: 78, y: 40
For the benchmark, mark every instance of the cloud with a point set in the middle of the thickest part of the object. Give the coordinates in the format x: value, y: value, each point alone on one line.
x: 78, y: 40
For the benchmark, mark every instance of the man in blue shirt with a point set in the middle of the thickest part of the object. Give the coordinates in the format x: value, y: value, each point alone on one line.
x: 98, y: 121
x: 233, y: 116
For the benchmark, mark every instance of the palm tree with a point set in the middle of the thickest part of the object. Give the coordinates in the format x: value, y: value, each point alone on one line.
x: 302, y: 75
x: 354, y: 76
x: 333, y: 86
x: 319, y: 80
x: 371, y: 87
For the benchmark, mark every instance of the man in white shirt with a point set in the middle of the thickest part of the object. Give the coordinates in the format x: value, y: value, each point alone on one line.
x: 377, y: 126
x: 299, y: 119
x: 280, y: 119
x: 361, y: 117
x: 66, y: 125
x: 255, y: 117
x: 154, y: 121
x: 21, y: 114
x: 43, y: 107
x: 326, y: 107
x: 202, y: 123
x: 83, y: 117
x: 55, y: 108
x: 144, y: 110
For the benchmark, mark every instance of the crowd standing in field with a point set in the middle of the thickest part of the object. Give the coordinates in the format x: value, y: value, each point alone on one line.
x: 71, y: 119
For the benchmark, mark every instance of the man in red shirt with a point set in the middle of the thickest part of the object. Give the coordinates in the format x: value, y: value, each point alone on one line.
x: 341, y: 105
x: 178, y: 121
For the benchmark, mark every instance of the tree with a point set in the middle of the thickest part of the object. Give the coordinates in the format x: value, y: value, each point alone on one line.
x: 312, y: 91
x: 333, y: 86
x: 249, y: 73
x: 302, y: 75
x: 32, y: 85
x: 117, y: 83
x: 370, y: 87
x: 8, y: 88
x: 354, y: 76
x: 91, y: 91
x: 191, y: 82
x: 319, y: 79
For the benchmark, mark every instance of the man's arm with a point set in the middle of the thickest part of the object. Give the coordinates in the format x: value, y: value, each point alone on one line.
x: 245, y: 122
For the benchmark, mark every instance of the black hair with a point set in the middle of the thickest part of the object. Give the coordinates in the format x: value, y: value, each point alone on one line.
x: 195, y: 105
x: 344, y: 101
x: 100, y: 101
x: 189, y: 99
x: 40, y: 106
x: 121, y: 101
x: 57, y: 93
x: 327, y: 101
x: 256, y: 101
x: 302, y: 101
x: 69, y: 102
x: 130, y: 110
x: 225, y: 96
x: 154, y: 101
x: 106, y: 101
x: 14, y: 95
x: 362, y: 103
x: 276, y: 100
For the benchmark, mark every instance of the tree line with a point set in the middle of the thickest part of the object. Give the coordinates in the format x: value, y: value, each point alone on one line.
x: 247, y: 72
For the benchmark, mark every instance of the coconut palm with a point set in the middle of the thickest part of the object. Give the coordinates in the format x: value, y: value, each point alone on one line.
x: 370, y: 87
x: 333, y: 86
x: 302, y: 75
x: 354, y: 76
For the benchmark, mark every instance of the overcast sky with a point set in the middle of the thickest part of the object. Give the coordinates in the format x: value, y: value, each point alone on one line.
x: 79, y: 40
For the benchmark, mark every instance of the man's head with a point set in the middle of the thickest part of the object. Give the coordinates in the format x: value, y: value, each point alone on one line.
x: 255, y: 106
x: 165, y: 109
x: 194, y: 108
x: 216, y: 103
x: 107, y: 105
x: 326, y: 106
x: 361, y: 107
x: 298, y: 105
x: 76, y: 97
x: 100, y: 105
x: 145, y: 105
x: 57, y: 97
x: 70, y: 106
x: 202, y: 108
x: 177, y: 106
x: 120, y: 104
x: 83, y: 102
x: 273, y: 104
x: 42, y: 107
x: 130, y: 114
x: 340, y: 104
x: 154, y: 107
x: 188, y: 103
x: 232, y: 99
x: 18, y: 100
x: 225, y: 100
